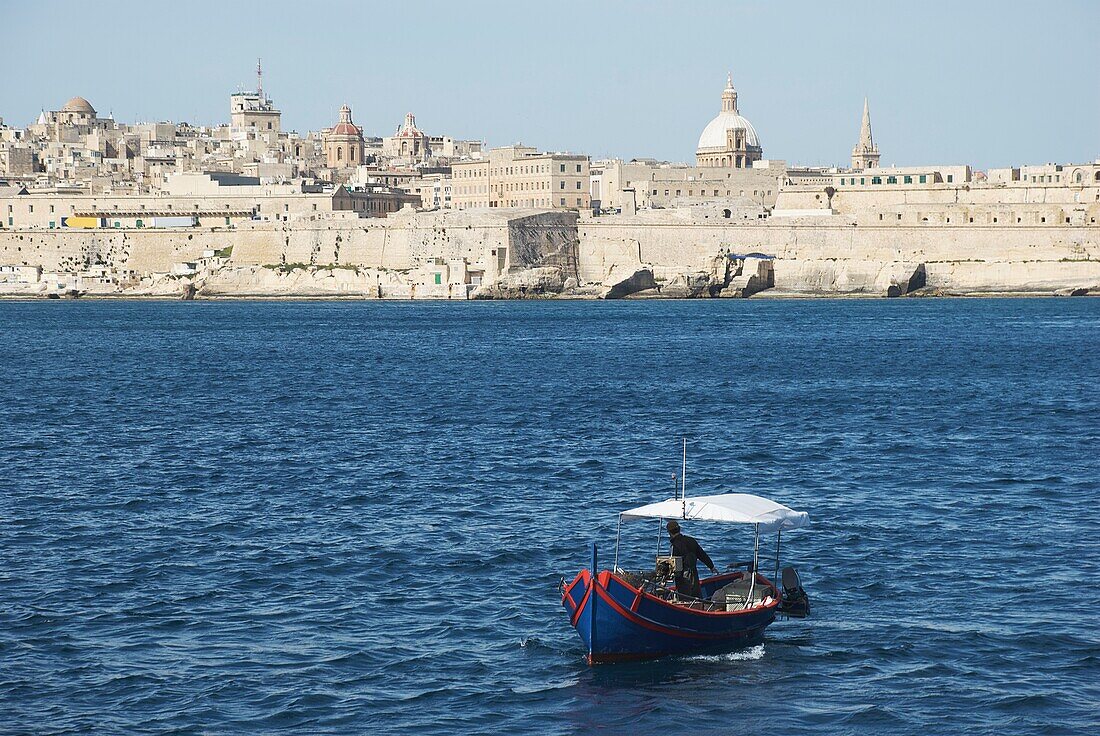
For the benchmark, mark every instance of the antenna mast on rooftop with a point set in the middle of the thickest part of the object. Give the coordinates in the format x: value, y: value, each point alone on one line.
x: 259, y: 80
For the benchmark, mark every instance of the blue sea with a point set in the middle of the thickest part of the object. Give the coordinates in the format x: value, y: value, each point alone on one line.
x: 350, y: 517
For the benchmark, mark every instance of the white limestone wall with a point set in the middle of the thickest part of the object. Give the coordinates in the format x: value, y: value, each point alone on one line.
x: 815, y: 256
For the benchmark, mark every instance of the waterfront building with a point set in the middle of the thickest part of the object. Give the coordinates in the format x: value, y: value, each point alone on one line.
x: 645, y: 183
x: 865, y: 155
x: 208, y: 199
x: 521, y: 176
x: 729, y: 140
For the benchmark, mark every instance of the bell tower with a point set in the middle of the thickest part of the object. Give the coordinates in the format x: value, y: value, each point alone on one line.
x: 865, y: 155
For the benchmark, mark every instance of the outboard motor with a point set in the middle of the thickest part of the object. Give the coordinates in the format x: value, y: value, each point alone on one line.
x: 795, y: 603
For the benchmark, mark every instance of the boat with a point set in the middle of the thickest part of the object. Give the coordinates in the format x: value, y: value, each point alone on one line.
x: 628, y: 616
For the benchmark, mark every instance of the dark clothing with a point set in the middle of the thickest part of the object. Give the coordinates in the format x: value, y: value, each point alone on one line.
x: 687, y: 582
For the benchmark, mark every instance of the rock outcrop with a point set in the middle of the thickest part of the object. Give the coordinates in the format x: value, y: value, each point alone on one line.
x: 622, y: 282
x: 753, y: 276
x: 532, y: 282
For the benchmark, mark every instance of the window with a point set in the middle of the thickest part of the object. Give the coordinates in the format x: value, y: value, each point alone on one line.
x: 578, y: 185
x: 562, y: 183
x: 891, y: 180
x: 563, y: 201
x: 578, y: 168
x: 950, y: 178
x: 439, y: 278
x: 923, y: 179
x: 862, y: 180
x: 908, y: 180
x: 876, y: 180
x: 563, y: 171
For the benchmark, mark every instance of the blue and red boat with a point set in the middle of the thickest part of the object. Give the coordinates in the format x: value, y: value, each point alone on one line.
x: 623, y: 616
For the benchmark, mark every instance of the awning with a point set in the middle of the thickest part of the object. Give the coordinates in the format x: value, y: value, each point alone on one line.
x: 735, y: 508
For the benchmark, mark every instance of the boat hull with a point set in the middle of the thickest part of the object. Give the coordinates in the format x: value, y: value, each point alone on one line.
x: 618, y: 622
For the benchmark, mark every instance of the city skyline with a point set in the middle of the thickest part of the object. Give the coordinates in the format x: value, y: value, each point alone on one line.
x: 614, y: 100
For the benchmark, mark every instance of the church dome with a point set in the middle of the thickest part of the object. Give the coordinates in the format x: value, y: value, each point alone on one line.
x: 345, y: 127
x: 714, y: 135
x: 409, y: 129
x: 79, y: 104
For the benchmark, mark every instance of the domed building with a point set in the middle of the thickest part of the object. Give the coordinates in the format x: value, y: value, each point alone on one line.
x: 344, y: 142
x: 409, y: 143
x: 77, y: 111
x: 729, y: 140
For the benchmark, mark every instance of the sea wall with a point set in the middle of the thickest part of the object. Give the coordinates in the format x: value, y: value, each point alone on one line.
x: 834, y: 255
x: 811, y: 255
x: 505, y: 240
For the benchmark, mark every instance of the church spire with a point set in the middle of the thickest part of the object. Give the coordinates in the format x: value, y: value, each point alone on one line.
x: 866, y: 142
x: 729, y: 95
x: 865, y: 155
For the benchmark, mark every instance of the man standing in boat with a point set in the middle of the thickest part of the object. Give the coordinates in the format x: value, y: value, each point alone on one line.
x: 685, y: 547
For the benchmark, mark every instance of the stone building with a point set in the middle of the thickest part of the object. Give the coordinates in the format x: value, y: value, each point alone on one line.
x: 409, y: 145
x: 623, y: 185
x: 212, y: 199
x: 520, y: 176
x: 254, y: 112
x: 344, y: 142
x: 729, y: 140
x: 865, y: 155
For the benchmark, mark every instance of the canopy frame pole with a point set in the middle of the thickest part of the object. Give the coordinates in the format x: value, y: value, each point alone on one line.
x: 660, y: 528
x: 775, y: 579
x: 684, y: 482
x: 755, y: 560
x: 618, y: 533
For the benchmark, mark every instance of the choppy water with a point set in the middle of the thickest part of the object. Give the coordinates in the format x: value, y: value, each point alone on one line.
x: 335, y: 517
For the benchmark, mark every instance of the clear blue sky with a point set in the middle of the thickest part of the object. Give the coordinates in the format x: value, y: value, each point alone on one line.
x: 986, y: 83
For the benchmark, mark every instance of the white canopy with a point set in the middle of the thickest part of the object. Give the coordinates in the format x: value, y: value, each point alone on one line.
x: 736, y: 508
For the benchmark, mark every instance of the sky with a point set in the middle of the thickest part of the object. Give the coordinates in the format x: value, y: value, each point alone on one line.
x: 980, y: 82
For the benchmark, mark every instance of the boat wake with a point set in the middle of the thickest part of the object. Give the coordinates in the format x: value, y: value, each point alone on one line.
x: 741, y: 655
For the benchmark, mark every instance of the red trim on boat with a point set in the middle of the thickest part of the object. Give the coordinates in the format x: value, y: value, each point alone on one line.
x: 577, y: 613
x: 652, y: 625
x: 650, y: 596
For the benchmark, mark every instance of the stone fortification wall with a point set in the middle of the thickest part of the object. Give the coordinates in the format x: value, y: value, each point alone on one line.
x: 545, y: 240
x: 821, y: 255
x: 140, y: 250
x: 508, y: 239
